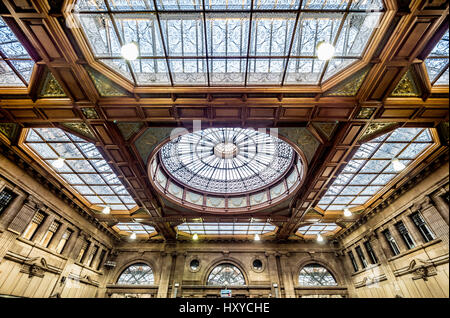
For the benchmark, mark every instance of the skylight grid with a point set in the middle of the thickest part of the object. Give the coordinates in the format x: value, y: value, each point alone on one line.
x: 232, y: 229
x: 437, y: 62
x: 136, y: 228
x: 371, y: 167
x: 235, y: 42
x: 16, y: 64
x: 317, y: 228
x: 83, y: 168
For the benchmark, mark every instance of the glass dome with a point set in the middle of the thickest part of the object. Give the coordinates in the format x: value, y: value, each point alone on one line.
x: 227, y: 160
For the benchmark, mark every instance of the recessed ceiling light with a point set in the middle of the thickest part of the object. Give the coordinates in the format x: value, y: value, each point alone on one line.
x: 325, y: 51
x: 257, y: 238
x: 347, y: 212
x: 195, y: 237
x: 397, y: 165
x: 106, y: 210
x: 319, y: 238
x: 129, y: 51
x: 58, y: 163
x: 133, y: 236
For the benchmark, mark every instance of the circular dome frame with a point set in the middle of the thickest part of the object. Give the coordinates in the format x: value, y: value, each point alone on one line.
x: 270, y: 195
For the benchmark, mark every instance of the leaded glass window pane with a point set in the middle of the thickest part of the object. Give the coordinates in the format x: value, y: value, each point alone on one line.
x: 316, y: 275
x: 137, y: 274
x: 226, y: 228
x: 437, y: 62
x: 317, y: 228
x: 226, y: 275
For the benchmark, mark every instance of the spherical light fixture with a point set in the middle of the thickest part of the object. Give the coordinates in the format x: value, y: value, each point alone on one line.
x: 325, y: 51
x: 319, y: 238
x: 257, y: 238
x: 397, y: 165
x: 106, y: 210
x: 347, y: 212
x: 58, y: 163
x: 195, y: 237
x: 133, y: 236
x: 130, y: 51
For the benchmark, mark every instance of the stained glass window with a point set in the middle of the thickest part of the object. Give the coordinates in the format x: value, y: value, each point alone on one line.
x: 316, y: 275
x: 227, y: 228
x: 226, y: 275
x: 317, y: 228
x: 226, y: 160
x: 137, y: 274
x: 83, y: 167
x: 372, y: 167
x: 16, y: 64
x: 137, y: 228
x: 437, y: 62
x: 234, y: 42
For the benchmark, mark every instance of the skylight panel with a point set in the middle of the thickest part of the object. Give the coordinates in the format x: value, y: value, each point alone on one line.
x: 317, y: 228
x: 83, y: 168
x: 16, y: 64
x: 188, y: 37
x: 230, y: 229
x: 437, y: 62
x: 372, y: 167
x: 136, y: 228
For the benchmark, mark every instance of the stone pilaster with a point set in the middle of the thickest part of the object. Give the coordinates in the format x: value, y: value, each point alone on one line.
x: 287, y: 276
x: 57, y: 236
x: 166, y: 265
x: 273, y: 272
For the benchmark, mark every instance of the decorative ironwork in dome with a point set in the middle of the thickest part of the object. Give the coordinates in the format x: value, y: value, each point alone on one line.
x: 227, y: 160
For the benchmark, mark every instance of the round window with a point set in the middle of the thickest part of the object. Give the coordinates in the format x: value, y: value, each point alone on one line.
x: 257, y: 264
x: 194, y: 264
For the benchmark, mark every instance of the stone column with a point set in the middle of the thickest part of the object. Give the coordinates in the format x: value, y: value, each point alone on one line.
x: 166, y: 265
x: 397, y: 237
x: 436, y: 221
x: 57, y: 236
x: 87, y: 252
x: 179, y: 270
x: 70, y: 245
x: 273, y: 273
x: 287, y: 276
x: 42, y: 229
x: 13, y: 208
x: 412, y: 228
x: 441, y: 206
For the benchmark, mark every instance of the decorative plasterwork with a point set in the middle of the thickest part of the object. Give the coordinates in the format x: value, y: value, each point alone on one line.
x: 105, y: 87
x: 302, y: 138
x: 370, y: 280
x: 128, y: 129
x: 10, y: 130
x: 407, y: 86
x: 90, y: 113
x: 150, y: 139
x: 376, y: 128
x: 326, y: 128
x: 80, y: 128
x: 421, y: 269
x: 366, y: 112
x: 350, y: 86
x: 51, y: 87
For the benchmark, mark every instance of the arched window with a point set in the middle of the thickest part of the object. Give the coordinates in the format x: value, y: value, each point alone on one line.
x: 316, y: 275
x: 226, y: 275
x: 137, y: 274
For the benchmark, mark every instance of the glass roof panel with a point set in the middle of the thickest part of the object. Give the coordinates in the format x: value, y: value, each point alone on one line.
x: 16, y: 64
x: 183, y: 29
x: 85, y: 173
x: 371, y: 174
x: 437, y: 62
x: 317, y: 228
x: 230, y: 229
x: 226, y: 160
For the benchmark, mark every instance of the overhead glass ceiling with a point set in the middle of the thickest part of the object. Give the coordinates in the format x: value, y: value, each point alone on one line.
x: 317, y: 228
x: 226, y: 160
x: 16, y: 65
x: 437, y: 62
x: 234, y: 42
x: 371, y: 167
x: 84, y: 168
x: 226, y: 228
x: 137, y: 228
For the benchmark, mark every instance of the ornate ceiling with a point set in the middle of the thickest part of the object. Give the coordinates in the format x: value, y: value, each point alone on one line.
x: 55, y: 75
